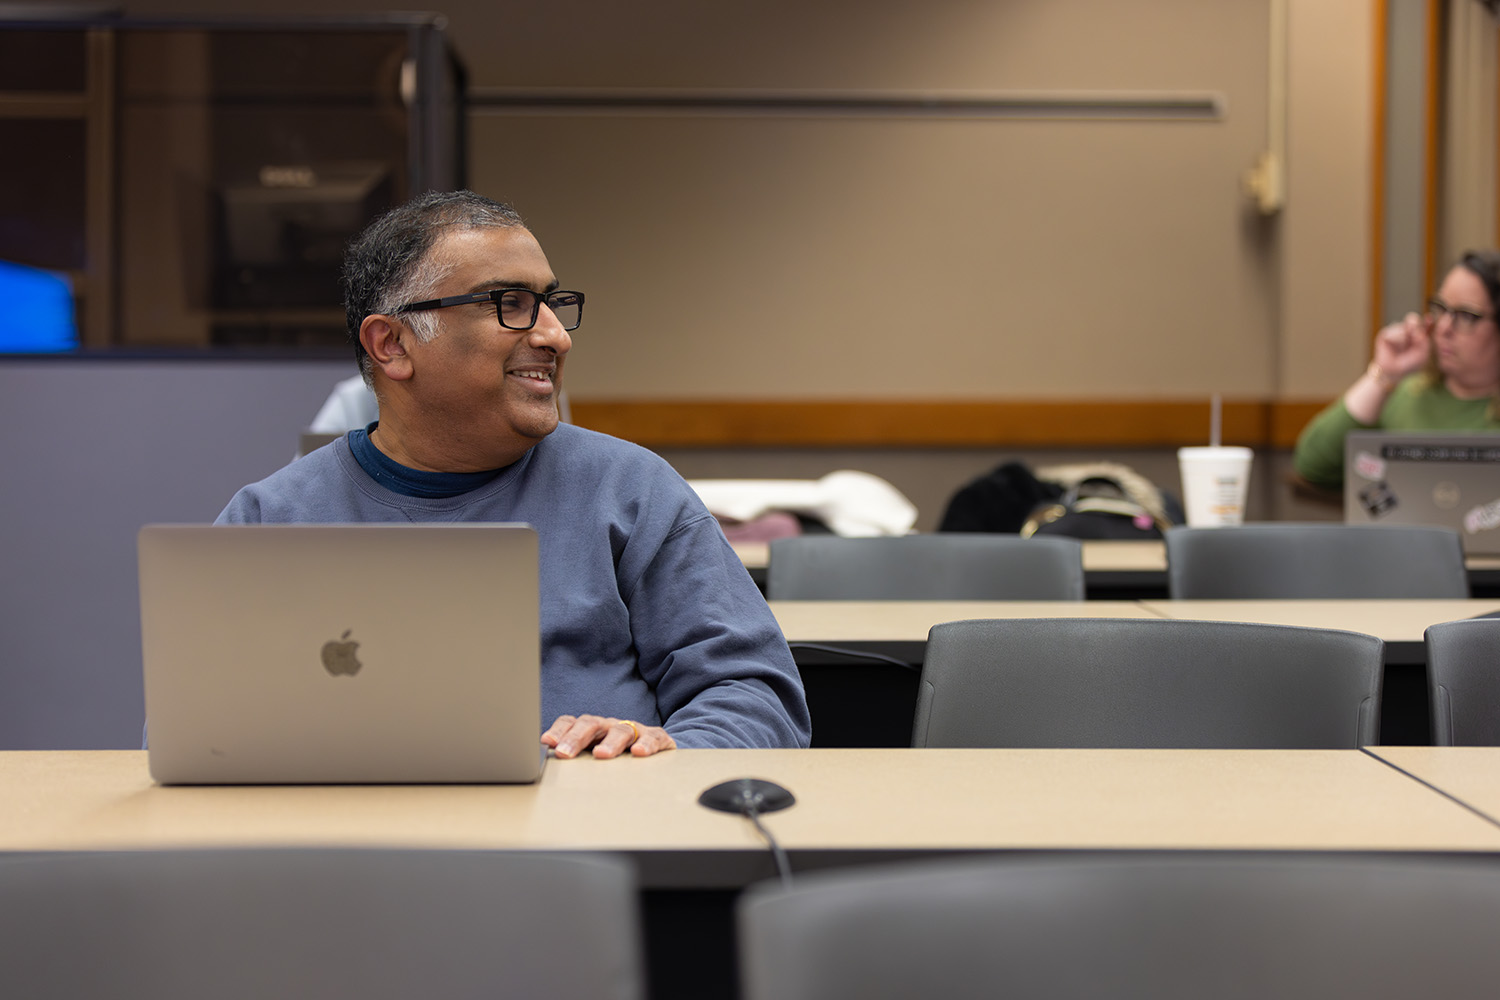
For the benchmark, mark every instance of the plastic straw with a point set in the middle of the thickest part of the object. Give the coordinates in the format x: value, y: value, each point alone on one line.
x: 1214, y: 419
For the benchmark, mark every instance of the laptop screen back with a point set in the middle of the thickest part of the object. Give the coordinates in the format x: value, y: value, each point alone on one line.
x: 1445, y: 478
x: 341, y: 653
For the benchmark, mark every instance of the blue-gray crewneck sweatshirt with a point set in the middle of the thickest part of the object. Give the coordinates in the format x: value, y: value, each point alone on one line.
x: 646, y: 611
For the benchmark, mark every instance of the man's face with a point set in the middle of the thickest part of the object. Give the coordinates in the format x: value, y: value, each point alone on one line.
x: 485, y: 393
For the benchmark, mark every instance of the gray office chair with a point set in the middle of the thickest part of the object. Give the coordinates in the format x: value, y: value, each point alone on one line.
x: 1463, y: 682
x: 1285, y: 560
x: 951, y: 567
x: 1183, y: 927
x: 1108, y: 682
x: 230, y: 924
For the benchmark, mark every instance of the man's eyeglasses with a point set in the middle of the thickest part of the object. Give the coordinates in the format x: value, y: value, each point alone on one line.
x: 517, y: 308
x: 1465, y: 319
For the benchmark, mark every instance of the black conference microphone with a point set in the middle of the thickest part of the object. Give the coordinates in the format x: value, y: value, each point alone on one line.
x: 750, y: 797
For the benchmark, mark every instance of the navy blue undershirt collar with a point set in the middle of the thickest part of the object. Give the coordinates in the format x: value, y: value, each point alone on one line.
x: 412, y: 482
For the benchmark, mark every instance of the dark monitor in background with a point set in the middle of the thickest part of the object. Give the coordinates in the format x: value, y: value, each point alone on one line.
x: 38, y: 310
x: 284, y: 229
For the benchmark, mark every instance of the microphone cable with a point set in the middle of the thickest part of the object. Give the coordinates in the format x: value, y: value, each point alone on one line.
x: 778, y: 853
x: 752, y: 797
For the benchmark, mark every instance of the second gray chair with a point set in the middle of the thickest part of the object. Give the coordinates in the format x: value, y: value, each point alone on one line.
x: 1463, y: 682
x: 939, y: 567
x: 1106, y: 682
x: 1284, y: 560
x: 253, y: 924
x: 1176, y: 928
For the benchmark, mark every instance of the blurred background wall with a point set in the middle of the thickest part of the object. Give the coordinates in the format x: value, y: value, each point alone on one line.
x: 762, y: 208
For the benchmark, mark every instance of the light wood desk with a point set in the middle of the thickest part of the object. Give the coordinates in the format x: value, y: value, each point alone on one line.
x: 1114, y: 567
x: 1108, y: 556
x: 1394, y: 621
x: 1111, y: 569
x: 864, y: 703
x: 1144, y: 564
x: 853, y: 806
x: 754, y: 555
x: 1136, y: 569
x: 1399, y: 623
x: 904, y: 625
x: 1484, y: 575
x: 899, y: 628
x: 1102, y: 555
x: 1470, y: 774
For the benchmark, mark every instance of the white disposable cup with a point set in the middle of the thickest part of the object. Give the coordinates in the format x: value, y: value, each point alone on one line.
x: 1215, y: 480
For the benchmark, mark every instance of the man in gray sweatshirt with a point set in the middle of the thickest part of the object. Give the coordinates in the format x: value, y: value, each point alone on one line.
x: 653, y: 635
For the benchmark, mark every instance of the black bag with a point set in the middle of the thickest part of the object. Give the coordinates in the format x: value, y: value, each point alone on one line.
x: 998, y: 502
x: 1094, y: 500
x: 1097, y: 507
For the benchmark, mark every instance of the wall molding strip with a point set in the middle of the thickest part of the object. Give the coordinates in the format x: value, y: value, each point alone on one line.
x: 1051, y: 423
x: 1064, y: 105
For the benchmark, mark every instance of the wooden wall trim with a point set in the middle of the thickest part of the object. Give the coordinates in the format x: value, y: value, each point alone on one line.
x: 1381, y: 95
x: 1051, y: 423
x: 1287, y: 419
x: 1434, y: 137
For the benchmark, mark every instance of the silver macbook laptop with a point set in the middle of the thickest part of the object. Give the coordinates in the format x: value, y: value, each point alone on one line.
x: 341, y: 653
x: 1445, y: 478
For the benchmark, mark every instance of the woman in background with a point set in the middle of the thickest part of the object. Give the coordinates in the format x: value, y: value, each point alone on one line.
x: 1440, y: 371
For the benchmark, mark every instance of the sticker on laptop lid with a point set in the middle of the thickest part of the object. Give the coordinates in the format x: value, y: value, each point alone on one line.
x: 1369, y: 466
x: 1377, y: 499
x: 1485, y: 517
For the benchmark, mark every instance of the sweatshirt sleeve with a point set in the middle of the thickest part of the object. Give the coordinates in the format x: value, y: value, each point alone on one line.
x: 1319, y: 456
x: 710, y: 647
x: 243, y: 508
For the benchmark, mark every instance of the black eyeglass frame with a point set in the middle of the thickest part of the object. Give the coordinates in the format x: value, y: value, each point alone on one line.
x: 494, y: 295
x: 1437, y: 309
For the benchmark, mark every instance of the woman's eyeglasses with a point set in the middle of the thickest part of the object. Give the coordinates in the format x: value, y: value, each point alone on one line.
x: 1463, y: 319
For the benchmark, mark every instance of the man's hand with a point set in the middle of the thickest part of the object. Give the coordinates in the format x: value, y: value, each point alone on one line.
x: 570, y: 735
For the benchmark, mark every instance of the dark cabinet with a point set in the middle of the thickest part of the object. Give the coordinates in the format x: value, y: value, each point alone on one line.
x: 197, y: 181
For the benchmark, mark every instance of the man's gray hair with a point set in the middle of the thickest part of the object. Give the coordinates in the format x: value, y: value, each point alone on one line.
x: 390, y: 264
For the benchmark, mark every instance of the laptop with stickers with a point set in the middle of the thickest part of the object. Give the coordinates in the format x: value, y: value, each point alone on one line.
x: 355, y: 653
x: 1445, y: 478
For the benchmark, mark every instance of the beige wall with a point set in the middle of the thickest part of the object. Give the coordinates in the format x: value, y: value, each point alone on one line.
x: 1327, y: 231
x: 895, y: 258
x: 808, y: 257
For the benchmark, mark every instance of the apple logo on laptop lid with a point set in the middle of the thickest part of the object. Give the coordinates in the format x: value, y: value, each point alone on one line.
x: 339, y: 656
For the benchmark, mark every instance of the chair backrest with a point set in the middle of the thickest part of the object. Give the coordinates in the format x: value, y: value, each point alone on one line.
x: 1463, y: 682
x: 1108, y: 682
x: 1183, y: 927
x: 173, y: 925
x: 1284, y: 560
x: 951, y: 567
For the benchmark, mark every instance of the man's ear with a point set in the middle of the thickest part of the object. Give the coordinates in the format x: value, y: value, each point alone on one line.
x: 385, y: 340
